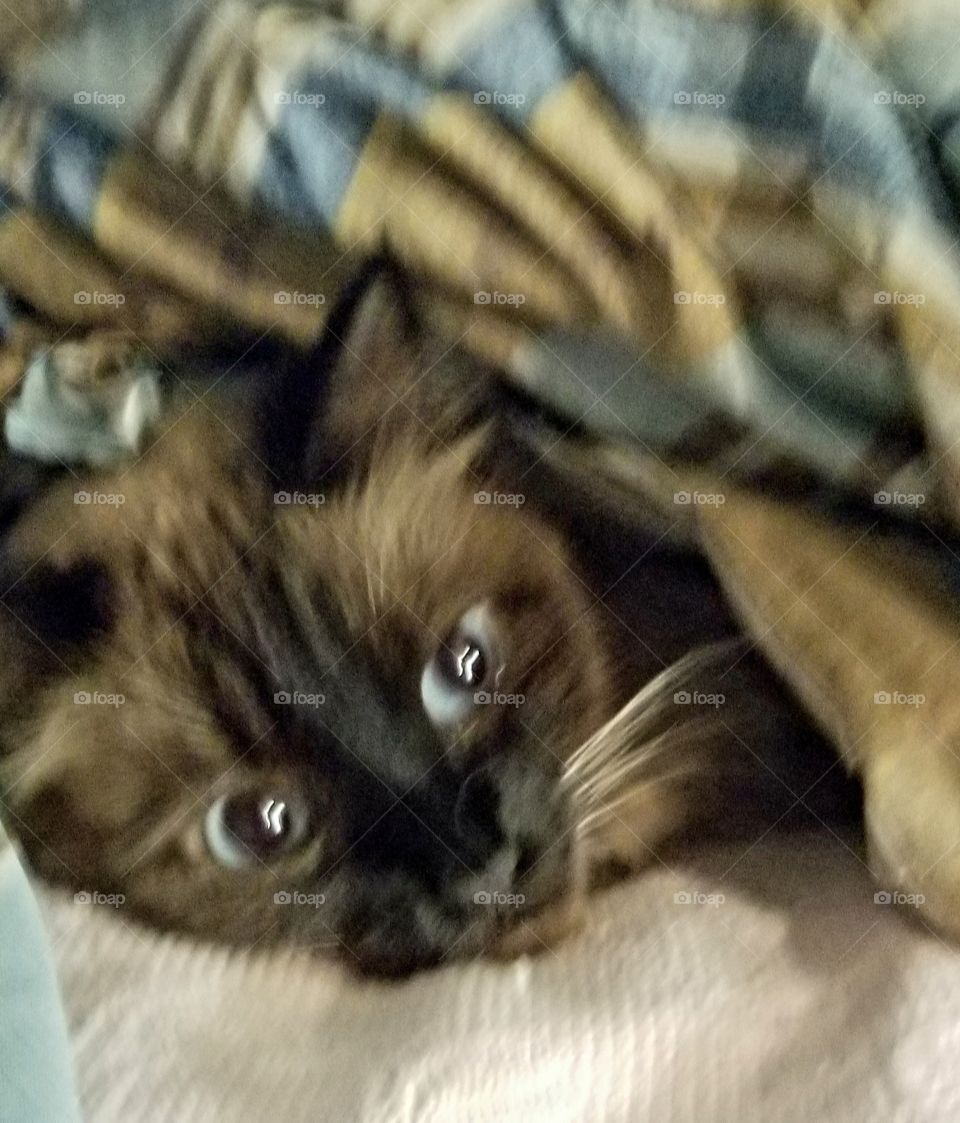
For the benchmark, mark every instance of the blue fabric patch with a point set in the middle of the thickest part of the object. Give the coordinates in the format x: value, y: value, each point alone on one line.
x: 312, y: 152
x: 865, y: 142
x: 74, y: 155
x: 784, y: 84
x: 773, y: 89
x: 513, y: 63
x: 662, y: 61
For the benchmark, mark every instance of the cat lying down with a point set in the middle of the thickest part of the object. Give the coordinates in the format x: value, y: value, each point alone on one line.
x: 368, y: 680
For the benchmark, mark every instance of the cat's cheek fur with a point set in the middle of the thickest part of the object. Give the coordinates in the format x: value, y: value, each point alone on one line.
x: 224, y: 600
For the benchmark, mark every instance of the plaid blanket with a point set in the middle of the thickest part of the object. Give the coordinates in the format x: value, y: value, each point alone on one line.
x: 719, y: 236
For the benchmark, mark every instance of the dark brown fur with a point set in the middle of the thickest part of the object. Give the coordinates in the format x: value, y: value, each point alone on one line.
x: 111, y: 798
x: 213, y: 592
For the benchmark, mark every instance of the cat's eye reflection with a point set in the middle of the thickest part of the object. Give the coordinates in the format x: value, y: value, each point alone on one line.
x: 247, y: 826
x: 462, y: 662
x: 273, y: 812
x: 461, y: 669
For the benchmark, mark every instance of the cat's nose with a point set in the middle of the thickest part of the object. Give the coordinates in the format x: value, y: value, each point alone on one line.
x: 460, y: 860
x: 511, y: 814
x: 476, y: 813
x: 489, y: 827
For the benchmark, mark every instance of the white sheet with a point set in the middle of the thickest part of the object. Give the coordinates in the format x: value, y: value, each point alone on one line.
x: 796, y: 998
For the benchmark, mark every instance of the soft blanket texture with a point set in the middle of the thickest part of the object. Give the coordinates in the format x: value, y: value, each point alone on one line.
x: 762, y: 987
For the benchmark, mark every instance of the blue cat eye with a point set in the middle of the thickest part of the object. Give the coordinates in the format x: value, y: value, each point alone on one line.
x: 252, y: 826
x: 461, y: 669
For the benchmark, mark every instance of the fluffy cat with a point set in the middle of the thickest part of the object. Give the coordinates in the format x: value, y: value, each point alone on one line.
x: 367, y: 679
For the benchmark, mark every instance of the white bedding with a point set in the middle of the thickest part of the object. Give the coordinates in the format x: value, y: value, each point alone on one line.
x: 796, y: 997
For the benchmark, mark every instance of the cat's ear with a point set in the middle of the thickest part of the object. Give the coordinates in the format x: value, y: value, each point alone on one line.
x: 315, y: 409
x: 50, y: 615
x: 320, y: 413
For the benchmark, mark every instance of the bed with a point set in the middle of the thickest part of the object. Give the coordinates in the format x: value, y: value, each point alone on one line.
x: 772, y: 984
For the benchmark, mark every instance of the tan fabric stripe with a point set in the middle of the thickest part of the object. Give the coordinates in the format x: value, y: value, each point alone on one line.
x: 157, y: 227
x: 578, y: 127
x: 404, y: 196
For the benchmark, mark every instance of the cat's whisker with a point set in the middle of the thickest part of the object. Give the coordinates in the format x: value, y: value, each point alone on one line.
x: 678, y: 739
x: 628, y: 754
x: 599, y: 816
x: 625, y: 742
x: 644, y: 707
x: 371, y: 596
x: 627, y: 747
x: 635, y: 710
x: 643, y: 753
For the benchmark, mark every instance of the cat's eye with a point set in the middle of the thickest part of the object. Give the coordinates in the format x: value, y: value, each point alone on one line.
x: 245, y: 826
x: 463, y: 669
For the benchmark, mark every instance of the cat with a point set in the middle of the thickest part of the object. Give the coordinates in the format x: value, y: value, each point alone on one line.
x: 359, y: 675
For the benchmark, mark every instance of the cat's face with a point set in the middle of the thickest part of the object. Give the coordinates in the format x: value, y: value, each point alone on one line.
x: 340, y: 722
